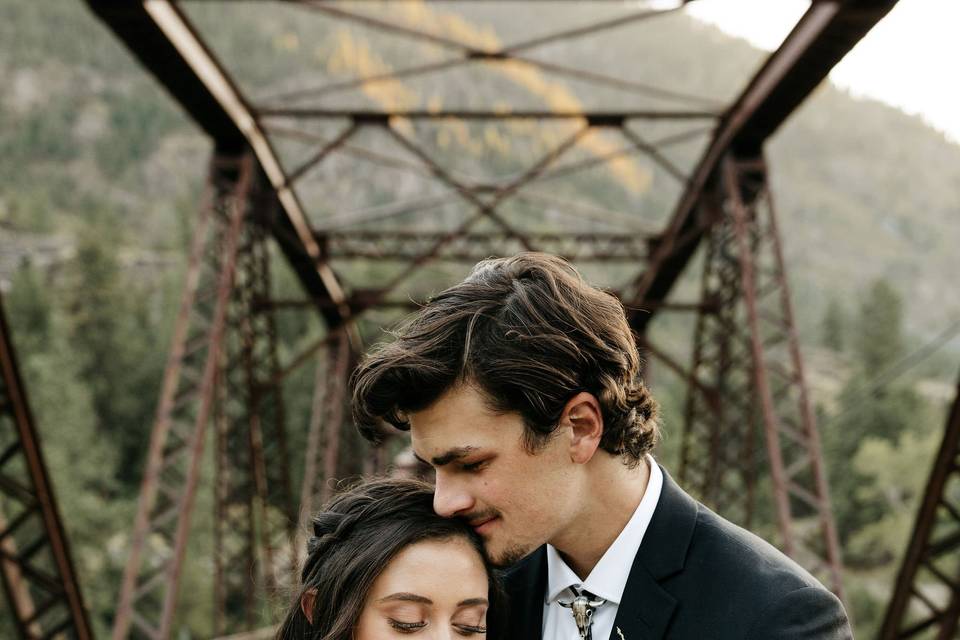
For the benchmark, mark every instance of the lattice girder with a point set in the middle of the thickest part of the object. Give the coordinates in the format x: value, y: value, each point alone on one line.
x: 746, y: 350
x: 36, y: 567
x: 926, y: 597
x: 148, y: 593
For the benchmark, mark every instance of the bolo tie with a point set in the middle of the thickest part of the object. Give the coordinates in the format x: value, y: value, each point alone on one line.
x: 583, y: 605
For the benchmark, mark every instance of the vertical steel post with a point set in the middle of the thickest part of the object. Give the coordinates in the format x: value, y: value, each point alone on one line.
x: 234, y: 527
x: 255, y: 521
x: 35, y: 563
x: 744, y: 225
x: 148, y: 592
x: 926, y: 597
x: 276, y: 514
x: 335, y: 399
x: 326, y: 423
x: 717, y: 455
x: 793, y: 442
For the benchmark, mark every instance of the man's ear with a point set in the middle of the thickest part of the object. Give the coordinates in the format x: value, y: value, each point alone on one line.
x: 306, y: 603
x: 582, y: 414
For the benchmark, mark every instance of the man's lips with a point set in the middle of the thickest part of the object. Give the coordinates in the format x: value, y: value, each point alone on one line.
x: 481, y: 525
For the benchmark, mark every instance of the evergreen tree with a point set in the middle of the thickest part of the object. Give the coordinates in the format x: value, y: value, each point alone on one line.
x: 834, y: 326
x: 113, y: 337
x: 80, y: 461
x: 28, y: 310
x: 78, y: 458
x: 869, y: 413
x: 879, y: 340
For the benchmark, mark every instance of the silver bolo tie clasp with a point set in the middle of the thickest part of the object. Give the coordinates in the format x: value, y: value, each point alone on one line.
x: 583, y: 607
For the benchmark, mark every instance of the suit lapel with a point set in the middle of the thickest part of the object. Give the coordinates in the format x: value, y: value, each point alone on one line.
x: 526, y: 584
x: 646, y: 608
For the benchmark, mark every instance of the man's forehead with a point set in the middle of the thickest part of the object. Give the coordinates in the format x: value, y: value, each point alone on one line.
x: 451, y: 423
x: 462, y: 401
x: 460, y: 422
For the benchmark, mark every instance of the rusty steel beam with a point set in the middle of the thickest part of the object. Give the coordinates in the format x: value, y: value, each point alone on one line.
x: 473, y: 247
x: 148, y: 593
x: 36, y: 568
x: 825, y: 33
x: 322, y: 452
x: 234, y: 528
x: 467, y: 53
x: 255, y: 520
x: 269, y: 440
x: 163, y: 40
x: 276, y: 513
x: 793, y: 442
x: 334, y: 403
x: 484, y: 208
x: 377, y: 117
x: 746, y: 352
x: 195, y: 77
x: 926, y: 596
x: 717, y: 457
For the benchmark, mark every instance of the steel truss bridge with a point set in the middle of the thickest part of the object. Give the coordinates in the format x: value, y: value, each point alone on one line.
x: 747, y: 415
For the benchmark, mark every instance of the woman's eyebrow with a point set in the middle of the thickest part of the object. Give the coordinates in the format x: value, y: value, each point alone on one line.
x: 472, y: 602
x: 406, y: 597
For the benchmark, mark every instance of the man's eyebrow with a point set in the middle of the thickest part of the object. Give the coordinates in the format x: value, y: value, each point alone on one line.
x: 472, y: 602
x: 405, y: 597
x: 446, y: 458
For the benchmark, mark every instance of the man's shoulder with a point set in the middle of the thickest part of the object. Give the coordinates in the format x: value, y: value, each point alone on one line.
x: 687, y: 542
x: 733, y: 576
x: 706, y: 547
x: 729, y: 555
x: 719, y: 575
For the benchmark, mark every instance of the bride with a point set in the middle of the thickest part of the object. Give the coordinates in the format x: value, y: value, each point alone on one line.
x: 381, y: 564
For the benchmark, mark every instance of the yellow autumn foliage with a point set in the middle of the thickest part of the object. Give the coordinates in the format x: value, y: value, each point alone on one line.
x: 352, y: 55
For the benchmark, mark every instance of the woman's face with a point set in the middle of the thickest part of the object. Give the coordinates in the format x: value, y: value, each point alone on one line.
x: 432, y: 590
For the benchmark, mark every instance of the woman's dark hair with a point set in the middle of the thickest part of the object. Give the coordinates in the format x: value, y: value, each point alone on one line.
x: 354, y: 538
x: 529, y: 333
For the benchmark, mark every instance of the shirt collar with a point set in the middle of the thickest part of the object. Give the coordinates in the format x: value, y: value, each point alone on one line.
x: 609, y: 578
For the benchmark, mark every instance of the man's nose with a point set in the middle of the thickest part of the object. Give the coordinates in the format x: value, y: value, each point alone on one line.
x: 450, y: 498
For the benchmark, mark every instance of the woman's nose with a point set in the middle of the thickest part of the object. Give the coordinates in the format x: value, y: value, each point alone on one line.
x: 444, y: 632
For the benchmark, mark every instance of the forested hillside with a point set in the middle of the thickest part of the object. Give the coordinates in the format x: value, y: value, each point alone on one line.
x: 101, y: 174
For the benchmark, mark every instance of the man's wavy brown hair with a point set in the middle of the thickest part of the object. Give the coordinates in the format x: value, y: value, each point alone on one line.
x: 529, y: 333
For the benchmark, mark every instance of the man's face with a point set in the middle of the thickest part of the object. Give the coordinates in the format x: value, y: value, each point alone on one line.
x: 515, y: 500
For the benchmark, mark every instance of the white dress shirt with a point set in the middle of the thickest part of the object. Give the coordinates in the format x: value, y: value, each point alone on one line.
x: 607, y: 580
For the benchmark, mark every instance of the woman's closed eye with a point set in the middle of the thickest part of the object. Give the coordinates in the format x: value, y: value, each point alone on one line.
x: 406, y: 627
x: 471, y: 620
x: 470, y: 630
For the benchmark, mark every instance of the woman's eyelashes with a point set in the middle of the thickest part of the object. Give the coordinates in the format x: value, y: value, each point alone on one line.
x: 470, y: 630
x: 413, y: 627
x: 406, y: 627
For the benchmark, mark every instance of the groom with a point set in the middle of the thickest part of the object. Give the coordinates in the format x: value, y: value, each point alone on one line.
x: 521, y: 387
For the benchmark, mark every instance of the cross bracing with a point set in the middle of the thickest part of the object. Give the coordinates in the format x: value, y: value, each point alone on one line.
x: 494, y: 165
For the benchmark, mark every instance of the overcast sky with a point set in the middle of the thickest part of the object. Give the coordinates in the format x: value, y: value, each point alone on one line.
x: 911, y: 59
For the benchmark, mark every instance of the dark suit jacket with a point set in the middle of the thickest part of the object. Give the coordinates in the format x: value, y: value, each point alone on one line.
x: 695, y: 577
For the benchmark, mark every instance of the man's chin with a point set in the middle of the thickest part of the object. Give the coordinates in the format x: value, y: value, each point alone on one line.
x: 509, y: 556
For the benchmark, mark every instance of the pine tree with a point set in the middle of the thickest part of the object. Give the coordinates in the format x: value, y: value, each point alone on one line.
x: 879, y: 340
x: 28, y: 310
x: 114, y: 340
x: 867, y: 412
x: 834, y: 326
